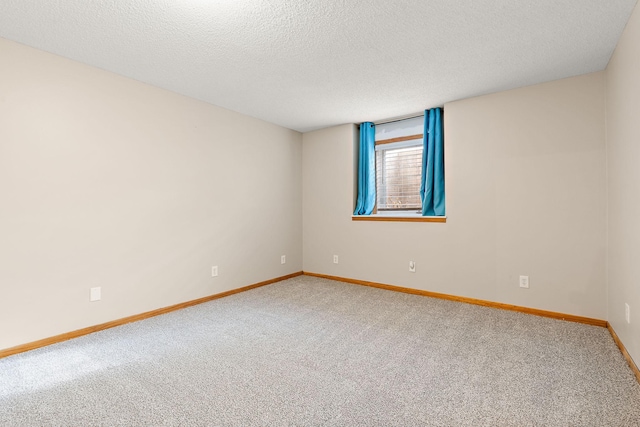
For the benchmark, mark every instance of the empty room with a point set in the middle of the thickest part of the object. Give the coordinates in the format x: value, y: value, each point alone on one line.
x: 331, y: 213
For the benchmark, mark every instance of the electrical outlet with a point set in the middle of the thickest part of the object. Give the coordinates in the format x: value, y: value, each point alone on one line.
x: 412, y: 266
x: 214, y: 271
x: 96, y: 294
x: 524, y: 282
x: 283, y: 259
x: 627, y: 312
x: 335, y: 259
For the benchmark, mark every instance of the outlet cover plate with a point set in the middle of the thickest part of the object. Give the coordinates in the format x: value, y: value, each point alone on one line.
x: 524, y: 282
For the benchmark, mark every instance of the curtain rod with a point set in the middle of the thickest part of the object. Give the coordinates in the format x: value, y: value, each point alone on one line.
x: 394, y: 120
x: 384, y: 122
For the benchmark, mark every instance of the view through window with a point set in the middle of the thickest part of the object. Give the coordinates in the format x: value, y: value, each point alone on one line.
x: 398, y: 173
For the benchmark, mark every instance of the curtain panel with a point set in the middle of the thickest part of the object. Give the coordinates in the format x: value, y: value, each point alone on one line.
x: 366, y: 170
x: 432, y: 183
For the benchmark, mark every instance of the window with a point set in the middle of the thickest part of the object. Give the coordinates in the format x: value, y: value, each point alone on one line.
x: 398, y: 148
x: 398, y: 174
x: 392, y: 169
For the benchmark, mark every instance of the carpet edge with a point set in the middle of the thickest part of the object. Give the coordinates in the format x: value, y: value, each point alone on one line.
x: 625, y: 353
x: 485, y: 303
x: 134, y: 318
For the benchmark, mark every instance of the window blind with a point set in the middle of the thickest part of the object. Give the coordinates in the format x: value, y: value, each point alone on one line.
x: 398, y: 174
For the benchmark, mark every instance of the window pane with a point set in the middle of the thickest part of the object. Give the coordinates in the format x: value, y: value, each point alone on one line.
x: 398, y: 174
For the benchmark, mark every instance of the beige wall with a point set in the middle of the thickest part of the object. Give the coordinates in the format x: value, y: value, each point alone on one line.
x: 623, y: 184
x: 525, y: 177
x: 108, y: 182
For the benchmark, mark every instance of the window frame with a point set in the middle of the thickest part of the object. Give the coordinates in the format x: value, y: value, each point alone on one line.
x: 397, y: 146
x: 397, y: 216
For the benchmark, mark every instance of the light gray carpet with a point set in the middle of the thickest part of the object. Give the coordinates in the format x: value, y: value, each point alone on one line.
x: 313, y: 352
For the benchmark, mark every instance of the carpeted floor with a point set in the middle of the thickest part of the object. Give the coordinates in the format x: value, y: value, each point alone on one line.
x: 313, y: 352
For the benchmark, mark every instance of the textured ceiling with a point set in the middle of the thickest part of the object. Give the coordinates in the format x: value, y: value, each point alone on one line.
x: 311, y: 64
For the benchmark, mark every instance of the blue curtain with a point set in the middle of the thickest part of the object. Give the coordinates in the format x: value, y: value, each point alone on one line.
x: 432, y: 184
x: 366, y: 170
